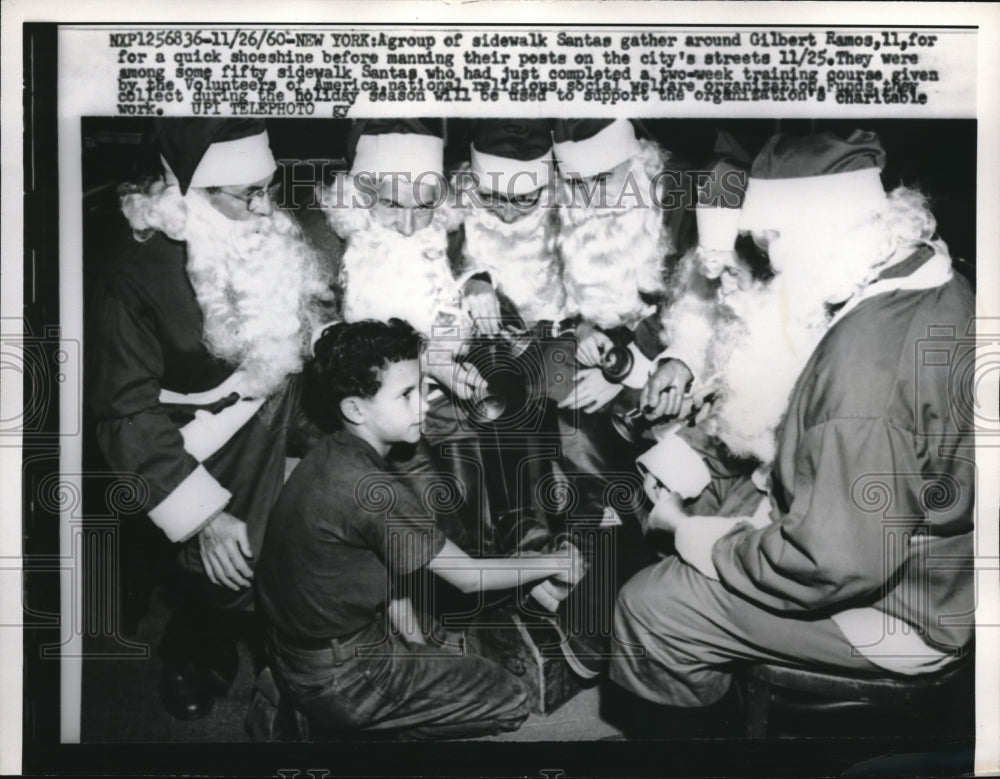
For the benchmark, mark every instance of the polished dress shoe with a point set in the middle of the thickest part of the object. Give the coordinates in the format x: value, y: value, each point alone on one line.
x: 185, y: 695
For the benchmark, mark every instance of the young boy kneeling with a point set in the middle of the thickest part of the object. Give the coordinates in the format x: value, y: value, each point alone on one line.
x: 343, y: 529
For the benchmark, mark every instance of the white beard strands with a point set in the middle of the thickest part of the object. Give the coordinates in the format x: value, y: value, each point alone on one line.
x: 520, y: 257
x: 775, y: 327
x: 690, y: 315
x: 385, y: 274
x: 757, y: 357
x: 261, y: 289
x: 612, y: 254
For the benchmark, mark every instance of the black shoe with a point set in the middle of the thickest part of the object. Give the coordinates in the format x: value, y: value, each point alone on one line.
x: 203, y: 647
x: 217, y: 664
x: 184, y: 696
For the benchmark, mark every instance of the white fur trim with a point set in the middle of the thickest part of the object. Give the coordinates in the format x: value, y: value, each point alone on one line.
x: 403, y: 153
x: 696, y: 536
x: 233, y: 384
x: 191, y: 505
x: 934, y: 273
x: 838, y: 198
x: 677, y: 465
x: 642, y: 366
x: 599, y: 153
x: 510, y: 177
x: 235, y: 163
x: 207, y: 432
x: 717, y: 228
x: 888, y: 642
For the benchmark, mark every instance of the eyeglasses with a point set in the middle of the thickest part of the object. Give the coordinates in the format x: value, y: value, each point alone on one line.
x: 498, y: 202
x: 256, y: 197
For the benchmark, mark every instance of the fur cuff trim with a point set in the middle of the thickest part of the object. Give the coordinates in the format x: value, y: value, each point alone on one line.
x: 208, y: 432
x: 694, y: 541
x: 190, y: 506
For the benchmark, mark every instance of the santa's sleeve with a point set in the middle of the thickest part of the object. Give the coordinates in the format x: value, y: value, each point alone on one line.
x: 830, y: 545
x: 134, y: 433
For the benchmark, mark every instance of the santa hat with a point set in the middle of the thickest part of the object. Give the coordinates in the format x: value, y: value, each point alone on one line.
x: 586, y: 147
x: 815, y: 180
x: 677, y: 465
x: 409, y: 147
x: 511, y: 156
x: 721, y: 199
x: 199, y: 152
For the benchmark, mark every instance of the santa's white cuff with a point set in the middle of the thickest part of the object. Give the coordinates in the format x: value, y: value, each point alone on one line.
x: 207, y: 432
x: 695, y: 538
x: 187, y: 509
x: 642, y: 366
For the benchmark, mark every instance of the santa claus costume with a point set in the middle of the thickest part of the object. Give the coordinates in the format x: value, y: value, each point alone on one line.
x: 831, y: 563
x: 195, y: 337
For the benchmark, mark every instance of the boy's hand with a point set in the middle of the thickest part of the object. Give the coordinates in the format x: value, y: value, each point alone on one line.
x: 549, y: 594
x: 460, y: 379
x: 577, y: 565
x: 225, y: 548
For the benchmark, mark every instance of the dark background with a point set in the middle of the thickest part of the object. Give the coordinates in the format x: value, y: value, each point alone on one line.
x: 937, y: 156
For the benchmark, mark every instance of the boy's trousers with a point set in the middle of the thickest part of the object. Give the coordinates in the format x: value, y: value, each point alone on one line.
x: 374, y: 682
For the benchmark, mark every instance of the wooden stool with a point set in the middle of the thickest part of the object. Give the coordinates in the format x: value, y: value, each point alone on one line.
x: 764, y: 683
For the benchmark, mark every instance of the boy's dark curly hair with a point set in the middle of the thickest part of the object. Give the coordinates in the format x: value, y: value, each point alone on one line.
x: 349, y: 356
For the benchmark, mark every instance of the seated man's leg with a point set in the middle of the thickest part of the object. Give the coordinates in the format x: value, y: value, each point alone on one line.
x: 675, y: 631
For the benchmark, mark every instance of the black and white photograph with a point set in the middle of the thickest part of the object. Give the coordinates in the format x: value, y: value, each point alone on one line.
x: 456, y: 398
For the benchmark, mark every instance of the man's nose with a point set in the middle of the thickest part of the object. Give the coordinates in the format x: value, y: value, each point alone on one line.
x: 509, y: 213
x: 406, y: 224
x: 262, y: 206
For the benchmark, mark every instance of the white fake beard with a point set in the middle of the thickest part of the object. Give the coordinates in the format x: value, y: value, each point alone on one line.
x: 521, y: 258
x: 757, y: 357
x: 385, y: 274
x: 690, y: 316
x: 261, y: 289
x: 611, y: 254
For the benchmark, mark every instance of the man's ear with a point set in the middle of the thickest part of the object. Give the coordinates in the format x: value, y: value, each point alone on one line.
x: 353, y: 410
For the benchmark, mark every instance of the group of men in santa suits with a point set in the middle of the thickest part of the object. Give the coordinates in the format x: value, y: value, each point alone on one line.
x: 199, y: 334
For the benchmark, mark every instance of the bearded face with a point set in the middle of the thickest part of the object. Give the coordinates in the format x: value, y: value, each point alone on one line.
x: 261, y: 288
x: 613, y: 242
x: 520, y: 256
x: 773, y: 327
x: 385, y: 273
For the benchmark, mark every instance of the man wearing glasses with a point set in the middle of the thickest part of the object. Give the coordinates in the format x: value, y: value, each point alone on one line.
x: 511, y: 223
x: 195, y: 335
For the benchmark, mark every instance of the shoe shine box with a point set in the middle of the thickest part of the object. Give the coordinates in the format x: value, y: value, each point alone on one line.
x: 528, y: 649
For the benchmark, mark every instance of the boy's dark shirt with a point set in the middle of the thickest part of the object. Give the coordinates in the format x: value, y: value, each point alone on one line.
x: 323, y: 571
